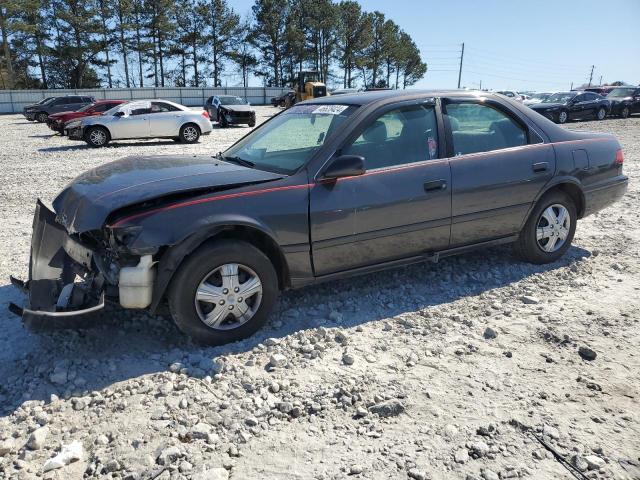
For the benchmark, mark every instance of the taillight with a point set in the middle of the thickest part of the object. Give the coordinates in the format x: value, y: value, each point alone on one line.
x: 619, y: 157
x: 205, y: 114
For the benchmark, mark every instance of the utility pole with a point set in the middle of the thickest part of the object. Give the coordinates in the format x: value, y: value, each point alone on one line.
x: 480, y: 85
x: 600, y: 82
x: 571, y: 87
x: 460, y: 71
x: 591, y: 74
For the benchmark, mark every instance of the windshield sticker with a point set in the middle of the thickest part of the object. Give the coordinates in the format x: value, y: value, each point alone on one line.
x: 330, y: 109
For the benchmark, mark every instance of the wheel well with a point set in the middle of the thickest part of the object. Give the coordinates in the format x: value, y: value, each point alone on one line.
x: 575, y: 193
x: 191, y: 123
x: 262, y: 242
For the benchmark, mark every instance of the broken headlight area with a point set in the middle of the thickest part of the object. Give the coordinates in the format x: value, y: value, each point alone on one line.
x: 64, y: 278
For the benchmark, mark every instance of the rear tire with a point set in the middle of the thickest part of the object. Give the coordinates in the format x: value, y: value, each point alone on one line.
x: 548, y: 234
x: 252, y: 124
x: 562, y: 117
x: 202, y: 271
x: 189, y: 133
x: 41, y: 117
x: 97, y: 137
x: 601, y: 114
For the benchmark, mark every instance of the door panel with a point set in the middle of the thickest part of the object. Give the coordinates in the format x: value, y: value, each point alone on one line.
x: 492, y: 191
x: 401, y: 206
x: 496, y: 174
x: 132, y: 126
x: 164, y: 124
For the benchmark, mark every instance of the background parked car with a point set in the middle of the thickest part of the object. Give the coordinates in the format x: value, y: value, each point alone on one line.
x: 142, y: 119
x: 601, y: 89
x: 536, y: 98
x: 57, y: 121
x: 281, y: 100
x: 30, y: 111
x: 67, y: 103
x: 624, y: 101
x: 511, y: 94
x: 563, y: 106
x: 230, y: 110
x: 344, y: 91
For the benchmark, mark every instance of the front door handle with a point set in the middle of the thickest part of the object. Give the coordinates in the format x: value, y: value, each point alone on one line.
x: 435, y: 185
x: 540, y: 167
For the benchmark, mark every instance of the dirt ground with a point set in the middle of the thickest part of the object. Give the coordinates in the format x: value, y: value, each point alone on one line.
x: 466, y: 369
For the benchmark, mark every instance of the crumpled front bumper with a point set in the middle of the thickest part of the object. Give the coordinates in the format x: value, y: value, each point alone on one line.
x: 63, y: 283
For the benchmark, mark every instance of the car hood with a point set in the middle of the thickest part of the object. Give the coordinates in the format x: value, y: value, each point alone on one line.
x: 88, y: 200
x: 547, y: 106
x: 237, y: 108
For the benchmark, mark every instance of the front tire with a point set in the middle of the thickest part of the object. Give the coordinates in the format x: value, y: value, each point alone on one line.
x: 601, y: 114
x: 624, y: 113
x: 97, y: 137
x: 223, y: 292
x: 222, y: 121
x: 549, y: 231
x: 41, y: 117
x: 189, y: 133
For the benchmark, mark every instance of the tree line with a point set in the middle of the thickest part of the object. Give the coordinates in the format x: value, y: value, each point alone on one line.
x: 145, y: 43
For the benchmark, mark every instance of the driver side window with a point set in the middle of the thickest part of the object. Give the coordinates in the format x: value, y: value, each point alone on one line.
x: 400, y: 136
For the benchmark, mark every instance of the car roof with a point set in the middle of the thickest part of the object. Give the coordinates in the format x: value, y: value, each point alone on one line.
x: 366, y: 98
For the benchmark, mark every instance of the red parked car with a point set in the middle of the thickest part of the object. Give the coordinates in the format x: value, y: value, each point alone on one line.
x: 56, y: 121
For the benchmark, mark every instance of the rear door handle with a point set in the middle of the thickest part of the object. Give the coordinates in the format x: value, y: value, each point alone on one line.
x: 540, y: 167
x: 435, y: 185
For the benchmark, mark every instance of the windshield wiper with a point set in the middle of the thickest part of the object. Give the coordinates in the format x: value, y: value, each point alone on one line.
x: 239, y: 161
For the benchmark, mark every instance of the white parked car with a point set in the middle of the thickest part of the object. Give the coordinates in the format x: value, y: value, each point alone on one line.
x: 536, y: 98
x: 141, y: 119
x: 511, y: 94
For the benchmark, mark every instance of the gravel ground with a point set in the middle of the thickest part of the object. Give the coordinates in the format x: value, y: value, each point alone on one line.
x: 465, y: 369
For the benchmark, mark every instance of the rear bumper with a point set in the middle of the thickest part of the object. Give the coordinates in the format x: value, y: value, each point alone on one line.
x: 63, y: 282
x: 604, y: 194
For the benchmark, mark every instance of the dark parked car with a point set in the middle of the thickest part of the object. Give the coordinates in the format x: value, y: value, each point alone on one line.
x: 57, y: 121
x: 287, y: 98
x: 326, y: 189
x: 68, y: 103
x: 603, y: 90
x: 624, y: 101
x: 564, y: 106
x: 30, y: 111
x: 230, y: 110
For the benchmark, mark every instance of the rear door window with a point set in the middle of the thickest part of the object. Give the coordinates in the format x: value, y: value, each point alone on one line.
x: 479, y: 127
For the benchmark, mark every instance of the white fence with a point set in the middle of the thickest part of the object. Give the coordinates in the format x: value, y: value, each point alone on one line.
x: 13, y: 101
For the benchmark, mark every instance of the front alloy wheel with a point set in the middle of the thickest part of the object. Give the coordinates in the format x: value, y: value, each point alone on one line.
x: 229, y: 296
x: 97, y: 137
x: 601, y: 114
x: 223, y: 292
x: 625, y: 112
x: 42, y: 117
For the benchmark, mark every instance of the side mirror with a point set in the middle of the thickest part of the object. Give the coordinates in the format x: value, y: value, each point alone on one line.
x: 119, y: 114
x: 344, y: 166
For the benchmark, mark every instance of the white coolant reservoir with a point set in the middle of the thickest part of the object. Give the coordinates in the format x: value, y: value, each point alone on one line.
x: 136, y: 283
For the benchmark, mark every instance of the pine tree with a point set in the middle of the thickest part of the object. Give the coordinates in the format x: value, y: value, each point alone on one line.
x: 269, y: 36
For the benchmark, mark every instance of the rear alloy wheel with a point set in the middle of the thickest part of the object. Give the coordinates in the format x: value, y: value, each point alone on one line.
x: 189, y: 133
x: 97, y: 137
x: 223, y: 292
x: 550, y: 229
x: 624, y: 113
x: 601, y: 114
x: 42, y: 117
x: 563, y: 117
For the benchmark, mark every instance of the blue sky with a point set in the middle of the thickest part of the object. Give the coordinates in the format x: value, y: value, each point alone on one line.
x: 541, y: 45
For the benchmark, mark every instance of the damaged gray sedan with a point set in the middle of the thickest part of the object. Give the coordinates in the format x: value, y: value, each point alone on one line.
x: 326, y: 189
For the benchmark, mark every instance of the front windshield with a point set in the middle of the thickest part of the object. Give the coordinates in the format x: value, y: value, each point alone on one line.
x: 44, y: 101
x: 540, y: 96
x: 114, y: 110
x: 232, y: 101
x: 621, y: 92
x: 559, y: 97
x: 287, y: 142
x: 87, y: 107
